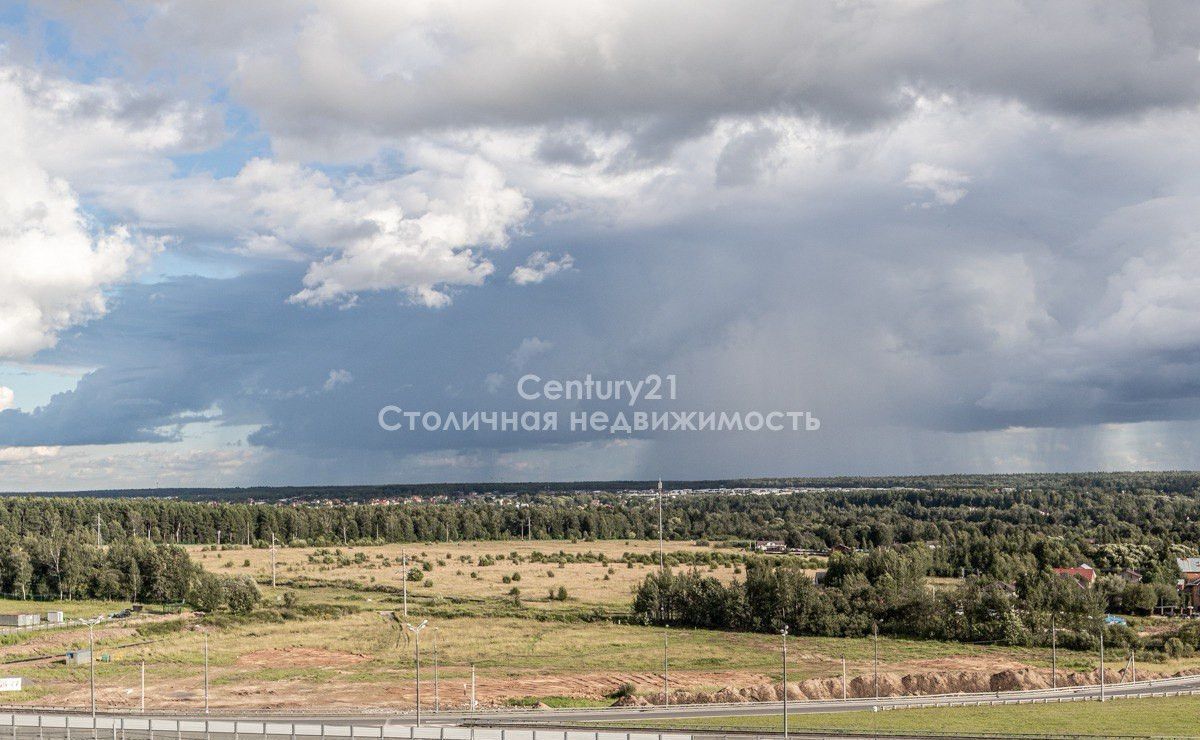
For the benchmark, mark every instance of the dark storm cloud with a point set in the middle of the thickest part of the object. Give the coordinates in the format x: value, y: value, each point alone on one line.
x: 931, y: 224
x: 667, y: 75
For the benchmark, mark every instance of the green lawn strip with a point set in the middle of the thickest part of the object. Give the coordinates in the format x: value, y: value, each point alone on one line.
x: 1158, y: 717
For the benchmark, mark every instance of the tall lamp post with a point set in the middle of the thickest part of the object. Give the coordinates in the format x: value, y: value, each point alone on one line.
x: 666, y: 669
x: 875, y: 636
x: 1053, y: 654
x: 417, y: 657
x: 437, y: 697
x: 92, y: 663
x: 206, y: 673
x: 784, y: 633
x: 661, y: 561
x: 1101, y: 659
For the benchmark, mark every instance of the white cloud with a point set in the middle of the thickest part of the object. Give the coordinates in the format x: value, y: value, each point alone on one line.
x: 529, y: 348
x: 944, y: 185
x: 338, y: 377
x: 421, y: 233
x: 338, y: 78
x: 540, y: 266
x: 6, y: 397
x: 107, y: 130
x: 427, y: 249
x: 55, y: 262
x: 27, y: 455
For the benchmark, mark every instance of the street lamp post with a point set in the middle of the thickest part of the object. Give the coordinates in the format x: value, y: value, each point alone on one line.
x: 1102, y: 660
x: 437, y: 697
x: 206, y: 673
x: 92, y: 667
x: 1053, y: 654
x: 784, y: 633
x: 416, y: 630
x: 666, y: 669
x: 875, y: 635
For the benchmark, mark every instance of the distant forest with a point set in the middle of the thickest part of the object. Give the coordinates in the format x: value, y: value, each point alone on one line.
x: 1003, y: 533
x: 1117, y: 520
x: 1164, y: 482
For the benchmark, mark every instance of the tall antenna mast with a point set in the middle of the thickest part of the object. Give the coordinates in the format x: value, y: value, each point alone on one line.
x: 661, y: 562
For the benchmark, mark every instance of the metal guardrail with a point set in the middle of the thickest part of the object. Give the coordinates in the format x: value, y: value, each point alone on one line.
x: 73, y: 727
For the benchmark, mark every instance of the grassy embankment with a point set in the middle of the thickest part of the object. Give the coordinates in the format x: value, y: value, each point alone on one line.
x: 1160, y: 717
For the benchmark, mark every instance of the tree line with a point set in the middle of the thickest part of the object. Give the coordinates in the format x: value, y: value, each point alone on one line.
x: 995, y: 532
x: 65, y: 565
x: 887, y: 589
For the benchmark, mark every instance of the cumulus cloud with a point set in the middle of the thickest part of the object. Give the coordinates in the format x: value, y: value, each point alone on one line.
x: 945, y: 186
x: 529, y: 348
x: 539, y: 266
x: 55, y: 262
x: 6, y: 397
x: 937, y: 220
x: 107, y: 130
x: 421, y: 233
x: 336, y: 378
x: 423, y: 253
x: 333, y: 76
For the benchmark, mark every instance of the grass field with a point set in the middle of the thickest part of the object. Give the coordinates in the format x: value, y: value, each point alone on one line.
x: 336, y: 647
x: 592, y: 572
x: 1168, y: 717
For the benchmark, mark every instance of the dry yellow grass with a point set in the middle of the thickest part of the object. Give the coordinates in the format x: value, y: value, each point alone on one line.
x: 454, y: 563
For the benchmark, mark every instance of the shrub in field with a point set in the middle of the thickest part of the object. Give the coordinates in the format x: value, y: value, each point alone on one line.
x: 623, y: 691
x: 242, y: 594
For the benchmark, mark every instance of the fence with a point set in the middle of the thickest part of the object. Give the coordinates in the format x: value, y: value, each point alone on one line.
x: 82, y: 727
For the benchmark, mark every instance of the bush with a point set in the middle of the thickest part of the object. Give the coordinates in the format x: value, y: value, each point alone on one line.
x: 242, y: 594
x: 623, y: 691
x: 207, y: 593
x: 1177, y: 648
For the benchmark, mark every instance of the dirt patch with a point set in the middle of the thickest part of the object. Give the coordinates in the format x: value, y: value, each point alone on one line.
x: 299, y: 657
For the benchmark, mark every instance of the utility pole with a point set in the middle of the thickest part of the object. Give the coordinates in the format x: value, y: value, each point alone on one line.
x: 472, y: 687
x: 437, y: 697
x: 875, y: 634
x: 143, y: 686
x: 97, y: 529
x: 272, y: 559
x: 666, y: 669
x: 417, y: 658
x: 843, y: 677
x: 206, y: 673
x: 1053, y: 655
x: 1133, y: 664
x: 218, y: 539
x: 783, y: 633
x: 92, y: 668
x: 1102, y: 661
x: 661, y: 562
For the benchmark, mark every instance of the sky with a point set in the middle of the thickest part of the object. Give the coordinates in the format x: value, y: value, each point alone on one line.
x: 964, y: 235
